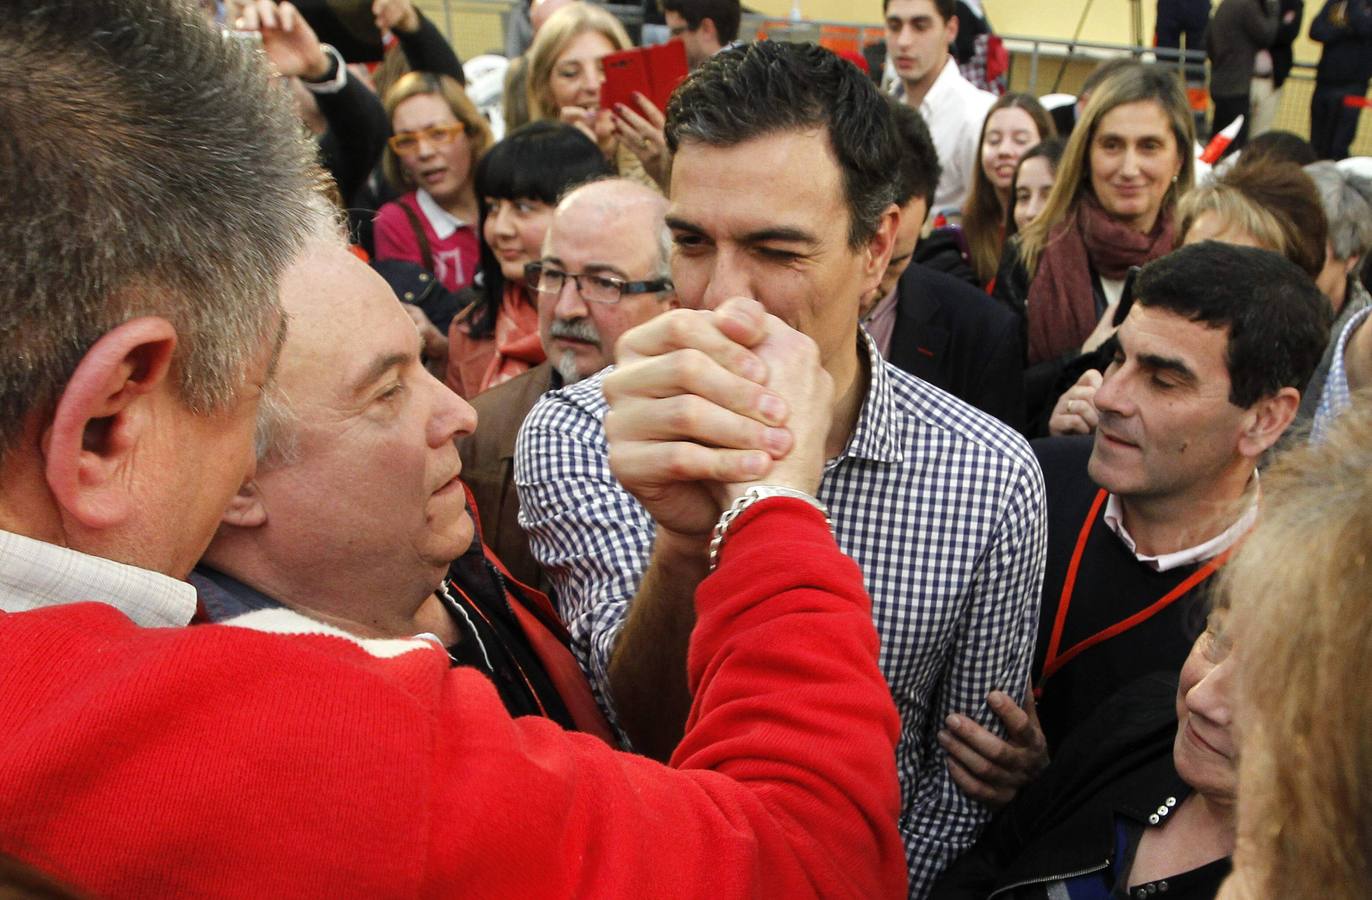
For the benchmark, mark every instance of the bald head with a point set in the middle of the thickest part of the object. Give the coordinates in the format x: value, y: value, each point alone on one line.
x: 615, y: 229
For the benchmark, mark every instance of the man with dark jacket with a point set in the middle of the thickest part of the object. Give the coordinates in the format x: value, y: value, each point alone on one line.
x: 1345, y: 29
x: 1240, y: 29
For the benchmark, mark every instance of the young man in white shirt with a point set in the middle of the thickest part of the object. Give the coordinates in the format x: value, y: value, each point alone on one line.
x: 918, y: 33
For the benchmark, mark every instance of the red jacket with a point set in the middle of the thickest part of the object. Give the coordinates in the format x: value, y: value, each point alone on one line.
x: 221, y: 761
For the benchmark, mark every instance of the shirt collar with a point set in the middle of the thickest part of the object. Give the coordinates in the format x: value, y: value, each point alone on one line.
x: 35, y: 574
x: 1114, y: 520
x: 944, y: 86
x: 444, y: 223
x: 874, y: 438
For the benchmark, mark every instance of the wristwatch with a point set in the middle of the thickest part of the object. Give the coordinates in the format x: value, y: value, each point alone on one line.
x: 755, y: 494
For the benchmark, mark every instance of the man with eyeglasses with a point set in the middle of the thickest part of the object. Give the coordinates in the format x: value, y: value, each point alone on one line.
x: 605, y: 269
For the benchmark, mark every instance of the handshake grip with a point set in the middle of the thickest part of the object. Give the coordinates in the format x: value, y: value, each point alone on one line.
x: 706, y: 403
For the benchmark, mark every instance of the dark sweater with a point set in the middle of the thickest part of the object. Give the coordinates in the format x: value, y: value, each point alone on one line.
x: 1117, y: 768
x: 1347, y: 39
x: 1111, y: 586
x: 1239, y: 30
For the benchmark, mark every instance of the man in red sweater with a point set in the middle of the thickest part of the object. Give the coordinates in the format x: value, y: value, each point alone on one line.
x: 140, y: 314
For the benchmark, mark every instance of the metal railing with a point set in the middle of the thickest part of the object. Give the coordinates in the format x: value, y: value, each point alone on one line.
x: 478, y: 26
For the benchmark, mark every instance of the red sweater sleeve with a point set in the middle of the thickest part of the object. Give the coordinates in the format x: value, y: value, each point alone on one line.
x: 220, y: 761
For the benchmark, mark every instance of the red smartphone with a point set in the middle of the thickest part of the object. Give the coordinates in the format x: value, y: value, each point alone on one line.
x: 653, y: 72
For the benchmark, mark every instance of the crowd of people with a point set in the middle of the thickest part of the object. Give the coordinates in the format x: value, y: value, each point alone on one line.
x: 809, y: 488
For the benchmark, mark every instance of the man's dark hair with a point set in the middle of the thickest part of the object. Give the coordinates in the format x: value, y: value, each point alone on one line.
x: 945, y: 8
x: 771, y: 87
x: 919, y: 170
x: 1277, y: 318
x: 724, y: 13
x: 146, y: 168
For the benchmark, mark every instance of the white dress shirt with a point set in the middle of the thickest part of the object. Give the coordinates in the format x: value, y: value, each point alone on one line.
x: 1114, y: 520
x: 955, y: 109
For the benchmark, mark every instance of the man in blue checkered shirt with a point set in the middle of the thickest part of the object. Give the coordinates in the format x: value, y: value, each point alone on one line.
x: 782, y: 192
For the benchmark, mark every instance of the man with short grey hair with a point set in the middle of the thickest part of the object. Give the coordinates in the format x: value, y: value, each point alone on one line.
x: 613, y: 236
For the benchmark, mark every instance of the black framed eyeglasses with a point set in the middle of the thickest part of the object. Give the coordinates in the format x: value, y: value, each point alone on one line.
x: 595, y: 288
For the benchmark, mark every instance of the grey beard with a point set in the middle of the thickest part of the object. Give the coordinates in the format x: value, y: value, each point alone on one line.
x: 566, y: 367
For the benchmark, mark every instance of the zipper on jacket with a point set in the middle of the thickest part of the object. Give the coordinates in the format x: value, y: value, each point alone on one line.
x: 1046, y: 878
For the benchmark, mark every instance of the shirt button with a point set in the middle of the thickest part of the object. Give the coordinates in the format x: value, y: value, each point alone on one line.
x: 1171, y: 801
x: 409, y: 295
x: 1153, y: 819
x: 1140, y: 893
x: 423, y: 276
x: 1162, y: 810
x: 1162, y: 886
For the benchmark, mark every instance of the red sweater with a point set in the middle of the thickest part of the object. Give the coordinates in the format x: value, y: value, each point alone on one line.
x: 221, y: 761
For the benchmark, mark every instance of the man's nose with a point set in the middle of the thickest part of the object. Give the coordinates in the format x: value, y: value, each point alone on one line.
x: 570, y: 303
x: 729, y: 277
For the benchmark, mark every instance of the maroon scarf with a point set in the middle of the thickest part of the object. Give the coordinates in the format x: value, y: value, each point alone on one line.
x: 1062, y: 303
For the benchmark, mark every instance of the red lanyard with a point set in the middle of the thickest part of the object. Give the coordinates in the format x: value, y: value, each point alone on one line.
x: 1054, y: 661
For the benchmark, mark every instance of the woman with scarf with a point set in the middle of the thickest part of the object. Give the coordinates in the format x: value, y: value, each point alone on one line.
x: 1112, y: 207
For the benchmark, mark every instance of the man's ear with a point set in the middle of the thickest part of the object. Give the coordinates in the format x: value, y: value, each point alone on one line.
x: 952, y: 29
x: 1267, y: 420
x: 710, y: 30
x: 246, y: 509
x: 877, y: 255
x: 104, y: 418
x: 671, y: 301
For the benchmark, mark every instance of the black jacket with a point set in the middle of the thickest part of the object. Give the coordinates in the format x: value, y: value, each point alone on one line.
x: 957, y: 338
x: 1043, y: 382
x: 1119, y: 763
x: 1345, y: 29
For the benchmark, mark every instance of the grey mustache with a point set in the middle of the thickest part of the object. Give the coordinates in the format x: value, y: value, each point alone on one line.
x: 581, y: 329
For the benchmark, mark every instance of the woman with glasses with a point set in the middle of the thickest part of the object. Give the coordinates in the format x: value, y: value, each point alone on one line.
x: 438, y: 137
x: 494, y: 336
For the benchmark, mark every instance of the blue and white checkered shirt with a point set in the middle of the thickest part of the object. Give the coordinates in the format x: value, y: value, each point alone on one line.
x: 941, y: 506
x: 1336, y: 397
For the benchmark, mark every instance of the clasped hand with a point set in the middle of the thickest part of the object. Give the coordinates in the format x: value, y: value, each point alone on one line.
x: 704, y: 403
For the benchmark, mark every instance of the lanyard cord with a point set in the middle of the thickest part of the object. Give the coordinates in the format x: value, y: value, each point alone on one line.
x: 1053, y: 661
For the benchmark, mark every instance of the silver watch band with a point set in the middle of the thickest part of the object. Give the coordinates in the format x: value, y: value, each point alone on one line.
x: 751, y: 496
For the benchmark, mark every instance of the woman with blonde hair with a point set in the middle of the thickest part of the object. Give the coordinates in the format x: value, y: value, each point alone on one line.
x: 438, y: 138
x: 1299, y: 589
x: 1015, y: 123
x: 564, y: 79
x: 1111, y: 208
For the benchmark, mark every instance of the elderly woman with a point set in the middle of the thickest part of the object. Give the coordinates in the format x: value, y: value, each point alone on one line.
x: 1111, y: 208
x: 1347, y: 200
x: 1300, y: 588
x: 1139, y: 801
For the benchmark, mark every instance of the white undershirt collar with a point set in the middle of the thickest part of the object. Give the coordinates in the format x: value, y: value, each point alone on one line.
x: 1114, y: 520
x: 444, y: 223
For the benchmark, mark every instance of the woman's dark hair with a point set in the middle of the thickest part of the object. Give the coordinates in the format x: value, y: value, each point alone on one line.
x: 1050, y: 150
x: 538, y: 161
